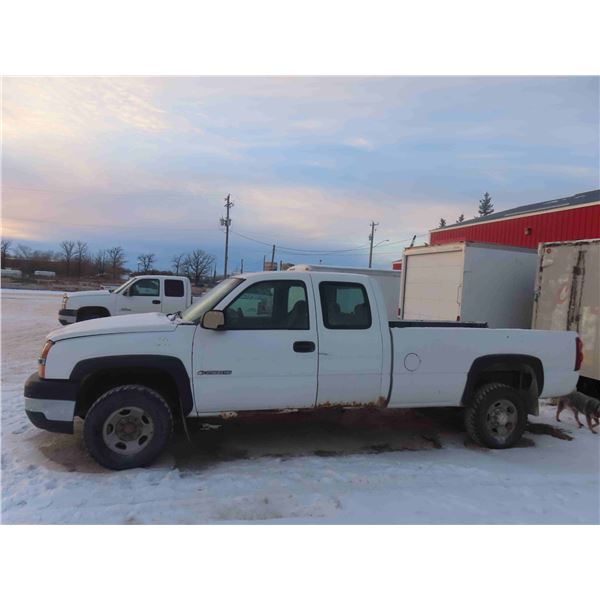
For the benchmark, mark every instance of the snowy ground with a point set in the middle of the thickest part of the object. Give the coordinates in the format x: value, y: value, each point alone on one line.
x: 407, y: 468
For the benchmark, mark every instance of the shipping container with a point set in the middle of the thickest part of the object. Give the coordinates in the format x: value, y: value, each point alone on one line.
x: 567, y: 297
x: 469, y: 281
x: 389, y: 281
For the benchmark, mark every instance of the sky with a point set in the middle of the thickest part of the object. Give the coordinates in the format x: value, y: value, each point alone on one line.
x: 146, y: 163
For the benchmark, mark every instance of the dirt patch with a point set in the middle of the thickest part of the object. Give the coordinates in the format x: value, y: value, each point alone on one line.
x: 525, y: 443
x: 327, y: 433
x: 545, y: 429
x: 471, y: 445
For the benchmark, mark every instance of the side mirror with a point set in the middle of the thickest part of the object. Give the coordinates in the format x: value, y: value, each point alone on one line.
x: 213, y: 319
x: 126, y: 292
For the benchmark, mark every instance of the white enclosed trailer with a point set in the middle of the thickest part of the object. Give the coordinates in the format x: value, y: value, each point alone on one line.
x: 567, y: 298
x: 388, y: 280
x: 469, y: 281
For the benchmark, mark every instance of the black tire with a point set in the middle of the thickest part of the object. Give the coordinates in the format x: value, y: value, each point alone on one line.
x: 124, y: 404
x: 491, y: 404
x: 87, y: 315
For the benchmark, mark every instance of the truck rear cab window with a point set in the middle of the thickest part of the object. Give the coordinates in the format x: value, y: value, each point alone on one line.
x: 344, y: 305
x: 269, y: 305
x: 174, y: 288
x: 145, y: 287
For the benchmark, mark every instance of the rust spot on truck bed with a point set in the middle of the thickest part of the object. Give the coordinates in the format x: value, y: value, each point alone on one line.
x: 379, y: 402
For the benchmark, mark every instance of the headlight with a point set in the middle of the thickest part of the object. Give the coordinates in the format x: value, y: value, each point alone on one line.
x: 64, y: 302
x: 43, y: 357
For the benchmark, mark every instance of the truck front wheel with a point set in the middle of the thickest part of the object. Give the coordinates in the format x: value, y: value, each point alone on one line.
x: 86, y: 314
x: 127, y: 427
x: 496, y: 416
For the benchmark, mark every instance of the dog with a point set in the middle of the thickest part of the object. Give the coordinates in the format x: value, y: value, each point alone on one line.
x: 580, y: 403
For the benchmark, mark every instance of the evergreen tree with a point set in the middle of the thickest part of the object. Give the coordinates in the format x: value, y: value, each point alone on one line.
x: 485, y: 205
x: 461, y: 218
x: 442, y: 223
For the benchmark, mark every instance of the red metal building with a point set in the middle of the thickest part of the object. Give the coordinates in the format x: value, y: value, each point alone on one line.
x: 573, y: 218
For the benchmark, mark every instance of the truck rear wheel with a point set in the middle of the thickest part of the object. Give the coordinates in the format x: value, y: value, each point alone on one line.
x: 496, y: 416
x: 127, y: 427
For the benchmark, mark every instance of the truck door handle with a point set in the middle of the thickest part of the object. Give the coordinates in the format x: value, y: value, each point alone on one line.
x: 304, y: 346
x: 155, y: 301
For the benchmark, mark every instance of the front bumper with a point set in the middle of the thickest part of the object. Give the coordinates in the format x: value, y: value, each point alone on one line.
x: 66, y: 316
x: 50, y: 403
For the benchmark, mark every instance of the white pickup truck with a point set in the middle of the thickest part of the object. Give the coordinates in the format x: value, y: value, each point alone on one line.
x: 144, y: 293
x: 286, y: 341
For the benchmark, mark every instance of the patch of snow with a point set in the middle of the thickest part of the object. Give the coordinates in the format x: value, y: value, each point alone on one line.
x: 309, y: 473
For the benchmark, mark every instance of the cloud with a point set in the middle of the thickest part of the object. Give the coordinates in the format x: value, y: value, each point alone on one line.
x: 36, y: 108
x: 308, y: 161
x: 360, y: 142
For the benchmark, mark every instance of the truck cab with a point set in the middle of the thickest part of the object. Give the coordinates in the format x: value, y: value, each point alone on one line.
x: 144, y: 293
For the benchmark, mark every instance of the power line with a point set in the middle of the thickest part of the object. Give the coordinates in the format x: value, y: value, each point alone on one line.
x: 160, y: 226
x: 302, y: 250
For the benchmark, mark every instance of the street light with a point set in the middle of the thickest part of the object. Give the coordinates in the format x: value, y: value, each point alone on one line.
x: 381, y: 242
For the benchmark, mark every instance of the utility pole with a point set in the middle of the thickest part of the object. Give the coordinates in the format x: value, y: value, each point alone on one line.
x: 242, y: 266
x: 226, y: 222
x: 373, y: 225
x: 273, y: 259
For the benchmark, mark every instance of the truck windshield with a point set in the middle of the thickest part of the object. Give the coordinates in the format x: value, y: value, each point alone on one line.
x: 210, y: 299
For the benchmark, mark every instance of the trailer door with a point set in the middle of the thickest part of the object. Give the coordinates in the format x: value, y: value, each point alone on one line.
x: 433, y: 288
x: 568, y: 296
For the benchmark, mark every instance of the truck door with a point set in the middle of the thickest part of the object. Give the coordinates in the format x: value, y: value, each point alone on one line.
x: 143, y: 295
x: 266, y: 355
x: 350, y: 342
x: 174, y: 298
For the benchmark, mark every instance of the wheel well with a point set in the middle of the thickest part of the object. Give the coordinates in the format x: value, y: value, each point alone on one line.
x: 102, y: 311
x: 94, y: 385
x: 521, y: 372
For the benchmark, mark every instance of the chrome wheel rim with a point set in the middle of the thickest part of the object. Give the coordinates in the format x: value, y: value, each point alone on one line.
x: 128, y: 430
x: 501, y: 419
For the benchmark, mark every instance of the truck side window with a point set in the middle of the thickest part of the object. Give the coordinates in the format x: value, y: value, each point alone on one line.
x: 269, y: 305
x: 344, y: 305
x: 174, y: 288
x: 145, y: 287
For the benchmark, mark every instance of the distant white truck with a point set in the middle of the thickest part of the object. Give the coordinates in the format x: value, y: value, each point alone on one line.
x: 567, y: 298
x: 388, y: 280
x: 469, y: 281
x: 280, y: 342
x: 142, y: 294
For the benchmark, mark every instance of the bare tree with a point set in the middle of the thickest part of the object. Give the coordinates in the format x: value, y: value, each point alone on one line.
x: 197, y: 264
x: 442, y: 223
x: 116, y: 259
x: 29, y: 260
x: 80, y: 254
x: 67, y: 252
x: 6, y: 244
x: 24, y: 252
x: 100, y: 260
x: 146, y: 261
x: 177, y: 262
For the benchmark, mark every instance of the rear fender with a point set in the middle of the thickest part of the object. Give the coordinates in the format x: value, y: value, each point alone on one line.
x: 522, y: 371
